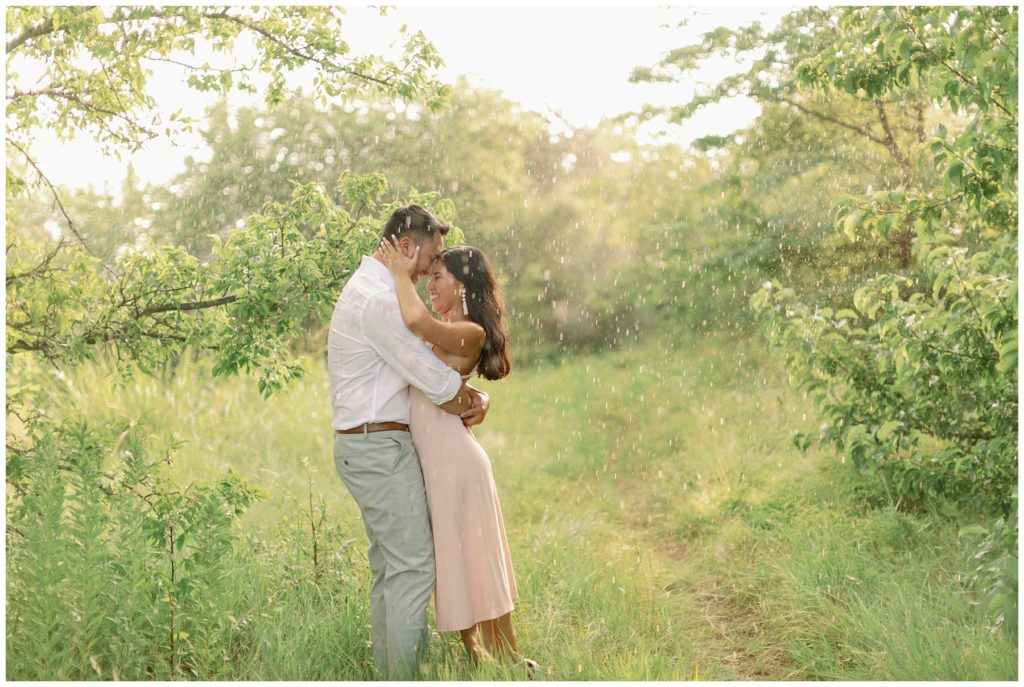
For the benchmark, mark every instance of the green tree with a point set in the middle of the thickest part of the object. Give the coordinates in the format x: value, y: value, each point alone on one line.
x: 90, y: 517
x: 67, y: 297
x: 98, y: 64
x: 557, y: 216
x: 876, y: 131
x: 919, y: 377
x: 762, y: 206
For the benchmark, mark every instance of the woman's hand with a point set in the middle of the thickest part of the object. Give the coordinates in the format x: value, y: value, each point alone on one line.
x: 395, y: 260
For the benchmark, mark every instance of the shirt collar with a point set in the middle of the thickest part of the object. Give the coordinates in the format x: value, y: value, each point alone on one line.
x: 376, y: 268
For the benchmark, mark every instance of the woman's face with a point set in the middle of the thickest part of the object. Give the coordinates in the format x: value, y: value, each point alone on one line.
x: 443, y: 288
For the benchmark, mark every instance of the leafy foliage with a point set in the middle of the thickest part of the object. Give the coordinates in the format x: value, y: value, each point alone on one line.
x: 558, y: 216
x: 116, y: 572
x: 762, y: 210
x: 99, y: 61
x: 244, y: 307
x: 113, y: 569
x: 919, y: 379
x: 994, y: 567
x: 84, y: 590
x: 145, y: 301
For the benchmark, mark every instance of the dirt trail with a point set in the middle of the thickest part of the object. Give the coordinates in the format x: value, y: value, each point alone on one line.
x: 736, y: 647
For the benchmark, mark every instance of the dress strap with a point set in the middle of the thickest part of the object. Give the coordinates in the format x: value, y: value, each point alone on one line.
x: 470, y: 373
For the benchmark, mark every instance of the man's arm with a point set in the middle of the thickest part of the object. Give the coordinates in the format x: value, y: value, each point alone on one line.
x: 478, y: 411
x: 462, y: 402
x: 410, y: 357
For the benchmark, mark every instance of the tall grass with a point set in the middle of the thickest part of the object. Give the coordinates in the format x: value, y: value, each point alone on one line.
x: 662, y: 526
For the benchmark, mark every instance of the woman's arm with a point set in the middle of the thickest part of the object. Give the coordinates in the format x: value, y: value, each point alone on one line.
x: 458, y: 338
x: 413, y: 310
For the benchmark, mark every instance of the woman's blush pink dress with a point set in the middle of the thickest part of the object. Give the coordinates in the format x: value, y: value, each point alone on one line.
x: 475, y: 581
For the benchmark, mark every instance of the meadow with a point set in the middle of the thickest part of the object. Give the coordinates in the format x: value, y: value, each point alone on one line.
x: 663, y: 526
x: 766, y: 424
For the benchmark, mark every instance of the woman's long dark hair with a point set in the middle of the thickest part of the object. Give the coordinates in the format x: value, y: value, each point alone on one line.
x: 485, y: 304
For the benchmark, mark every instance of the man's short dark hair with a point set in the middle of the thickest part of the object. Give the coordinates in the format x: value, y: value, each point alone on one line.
x: 414, y: 221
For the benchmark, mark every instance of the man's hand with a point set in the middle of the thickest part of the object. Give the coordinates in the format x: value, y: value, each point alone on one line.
x: 478, y: 410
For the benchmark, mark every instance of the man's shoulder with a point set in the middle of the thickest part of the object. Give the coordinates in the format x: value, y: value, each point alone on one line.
x: 368, y: 299
x: 364, y: 285
x: 381, y: 302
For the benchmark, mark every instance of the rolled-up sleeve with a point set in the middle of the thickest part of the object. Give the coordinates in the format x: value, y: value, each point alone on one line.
x: 405, y: 352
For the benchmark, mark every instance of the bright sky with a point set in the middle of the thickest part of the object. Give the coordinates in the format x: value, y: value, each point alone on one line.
x: 572, y: 60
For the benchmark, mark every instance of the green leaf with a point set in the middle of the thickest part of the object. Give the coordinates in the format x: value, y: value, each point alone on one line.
x: 850, y: 223
x: 886, y: 431
x: 1007, y: 357
x: 955, y: 173
x: 973, y: 531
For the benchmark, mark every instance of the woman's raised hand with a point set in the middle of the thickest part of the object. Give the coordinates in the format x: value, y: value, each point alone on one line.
x: 396, y: 261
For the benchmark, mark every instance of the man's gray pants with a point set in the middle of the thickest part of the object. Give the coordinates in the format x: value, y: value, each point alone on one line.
x: 382, y: 472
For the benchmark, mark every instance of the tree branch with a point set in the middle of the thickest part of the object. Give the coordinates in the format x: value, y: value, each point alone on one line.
x: 829, y: 118
x: 41, y: 268
x: 53, y: 190
x: 103, y: 336
x: 63, y: 210
x: 192, y: 67
x: 186, y: 307
x: 88, y: 106
x: 957, y: 72
x: 38, y: 30
x: 28, y: 34
x: 890, y: 142
x: 252, y: 26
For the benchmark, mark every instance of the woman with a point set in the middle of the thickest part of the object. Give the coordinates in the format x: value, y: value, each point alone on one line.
x: 476, y: 587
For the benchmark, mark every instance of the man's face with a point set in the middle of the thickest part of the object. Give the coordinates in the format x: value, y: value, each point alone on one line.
x: 428, y: 253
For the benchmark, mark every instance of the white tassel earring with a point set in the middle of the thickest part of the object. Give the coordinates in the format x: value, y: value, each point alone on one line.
x: 465, y: 308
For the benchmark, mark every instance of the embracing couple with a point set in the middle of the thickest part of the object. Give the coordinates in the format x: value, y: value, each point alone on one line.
x: 403, y: 447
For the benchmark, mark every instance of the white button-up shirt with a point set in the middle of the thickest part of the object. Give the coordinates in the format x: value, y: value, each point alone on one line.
x: 372, y: 357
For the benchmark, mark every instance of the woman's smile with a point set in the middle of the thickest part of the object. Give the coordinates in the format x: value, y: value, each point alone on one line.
x: 442, y: 289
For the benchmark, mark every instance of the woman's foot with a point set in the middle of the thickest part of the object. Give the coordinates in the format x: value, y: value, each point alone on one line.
x: 532, y: 667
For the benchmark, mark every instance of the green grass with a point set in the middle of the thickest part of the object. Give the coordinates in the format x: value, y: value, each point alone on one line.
x: 662, y: 527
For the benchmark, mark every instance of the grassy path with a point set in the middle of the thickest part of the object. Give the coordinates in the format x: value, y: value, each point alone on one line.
x: 662, y: 527
x: 747, y: 559
x: 643, y: 449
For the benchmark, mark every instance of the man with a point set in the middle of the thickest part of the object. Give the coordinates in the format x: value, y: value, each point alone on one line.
x: 372, y: 359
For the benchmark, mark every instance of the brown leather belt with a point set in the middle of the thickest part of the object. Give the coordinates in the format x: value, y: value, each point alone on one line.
x: 375, y: 427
